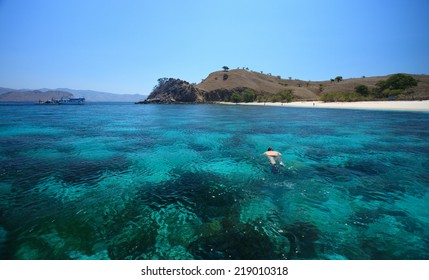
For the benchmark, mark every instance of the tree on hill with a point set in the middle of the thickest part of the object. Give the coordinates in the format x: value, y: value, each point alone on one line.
x: 248, y: 95
x: 362, y: 90
x: 161, y: 82
x: 235, y: 97
x: 285, y: 95
x: 395, y: 85
x: 338, y: 78
x: 225, y: 68
x: 401, y: 81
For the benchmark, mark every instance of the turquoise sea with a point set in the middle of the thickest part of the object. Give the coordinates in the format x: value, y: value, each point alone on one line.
x: 125, y: 181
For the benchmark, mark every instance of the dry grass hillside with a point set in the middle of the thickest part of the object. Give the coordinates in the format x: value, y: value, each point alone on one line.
x: 303, y: 90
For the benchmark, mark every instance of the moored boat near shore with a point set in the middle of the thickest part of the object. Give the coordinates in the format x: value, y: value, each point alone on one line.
x: 63, y: 101
x: 72, y: 101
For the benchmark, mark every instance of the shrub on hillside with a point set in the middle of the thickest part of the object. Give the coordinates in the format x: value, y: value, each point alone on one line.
x: 362, y: 90
x: 236, y: 97
x: 285, y: 95
x: 248, y: 95
x: 261, y: 98
x: 396, y: 84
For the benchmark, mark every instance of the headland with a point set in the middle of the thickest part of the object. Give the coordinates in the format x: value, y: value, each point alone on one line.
x: 246, y: 86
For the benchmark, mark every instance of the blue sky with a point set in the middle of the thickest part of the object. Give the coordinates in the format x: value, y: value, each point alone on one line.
x: 125, y: 46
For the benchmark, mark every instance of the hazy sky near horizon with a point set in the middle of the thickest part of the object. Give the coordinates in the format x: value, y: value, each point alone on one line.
x: 125, y: 46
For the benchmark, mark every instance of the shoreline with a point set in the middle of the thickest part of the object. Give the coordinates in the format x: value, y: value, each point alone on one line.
x: 419, y: 106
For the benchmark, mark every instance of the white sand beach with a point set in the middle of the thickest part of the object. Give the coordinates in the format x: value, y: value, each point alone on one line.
x: 368, y: 105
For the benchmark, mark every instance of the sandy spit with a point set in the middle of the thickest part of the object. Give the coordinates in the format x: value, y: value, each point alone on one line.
x: 365, y: 105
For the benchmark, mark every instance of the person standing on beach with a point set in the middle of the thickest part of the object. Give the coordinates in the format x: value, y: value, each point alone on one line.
x: 274, y: 157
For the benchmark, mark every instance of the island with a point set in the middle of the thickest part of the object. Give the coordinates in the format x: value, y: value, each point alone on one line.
x: 246, y: 86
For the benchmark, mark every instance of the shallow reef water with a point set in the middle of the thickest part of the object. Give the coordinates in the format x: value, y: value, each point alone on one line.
x: 124, y: 181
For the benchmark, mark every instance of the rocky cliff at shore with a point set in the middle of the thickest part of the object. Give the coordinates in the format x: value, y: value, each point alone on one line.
x: 179, y: 91
x: 170, y: 90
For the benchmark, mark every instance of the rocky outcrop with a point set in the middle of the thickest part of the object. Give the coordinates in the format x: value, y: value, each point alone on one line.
x: 170, y: 90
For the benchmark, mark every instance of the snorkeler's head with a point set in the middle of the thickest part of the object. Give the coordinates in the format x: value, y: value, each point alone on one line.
x: 270, y: 148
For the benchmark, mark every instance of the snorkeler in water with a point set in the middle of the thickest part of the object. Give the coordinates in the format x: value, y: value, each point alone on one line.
x: 274, y: 157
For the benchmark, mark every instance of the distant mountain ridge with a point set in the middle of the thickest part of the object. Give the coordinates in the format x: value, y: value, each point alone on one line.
x: 28, y: 95
x: 33, y: 95
x: 100, y: 96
